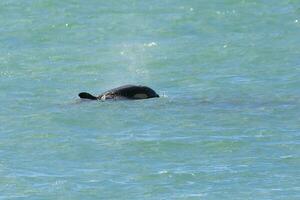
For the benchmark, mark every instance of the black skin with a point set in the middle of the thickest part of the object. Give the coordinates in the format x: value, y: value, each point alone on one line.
x: 131, y: 92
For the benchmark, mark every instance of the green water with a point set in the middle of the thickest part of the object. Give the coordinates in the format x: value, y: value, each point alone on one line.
x: 227, y: 125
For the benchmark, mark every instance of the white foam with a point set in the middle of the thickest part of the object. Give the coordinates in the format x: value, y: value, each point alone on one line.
x: 151, y: 44
x: 163, y: 172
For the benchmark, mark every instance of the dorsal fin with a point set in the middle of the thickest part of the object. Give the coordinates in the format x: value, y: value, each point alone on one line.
x: 85, y: 95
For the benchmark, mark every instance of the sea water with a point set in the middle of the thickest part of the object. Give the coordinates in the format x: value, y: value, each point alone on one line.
x: 227, y: 125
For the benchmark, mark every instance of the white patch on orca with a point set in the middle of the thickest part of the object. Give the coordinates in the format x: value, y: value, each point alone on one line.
x: 103, y: 98
x: 140, y: 96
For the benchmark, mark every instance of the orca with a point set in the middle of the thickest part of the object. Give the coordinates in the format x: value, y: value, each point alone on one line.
x: 130, y: 92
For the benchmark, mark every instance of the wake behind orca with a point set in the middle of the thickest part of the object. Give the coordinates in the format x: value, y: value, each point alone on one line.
x: 131, y: 92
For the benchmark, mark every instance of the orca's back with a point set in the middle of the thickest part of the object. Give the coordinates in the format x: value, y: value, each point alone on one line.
x: 133, y: 92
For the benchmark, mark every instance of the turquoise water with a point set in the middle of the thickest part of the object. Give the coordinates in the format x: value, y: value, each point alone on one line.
x: 227, y: 125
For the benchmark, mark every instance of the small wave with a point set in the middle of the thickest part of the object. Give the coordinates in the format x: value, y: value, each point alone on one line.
x: 6, y: 74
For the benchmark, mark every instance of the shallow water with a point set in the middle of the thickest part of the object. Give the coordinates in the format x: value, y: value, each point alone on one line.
x: 227, y: 126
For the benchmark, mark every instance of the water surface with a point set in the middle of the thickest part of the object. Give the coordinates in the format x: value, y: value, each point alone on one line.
x: 226, y: 127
